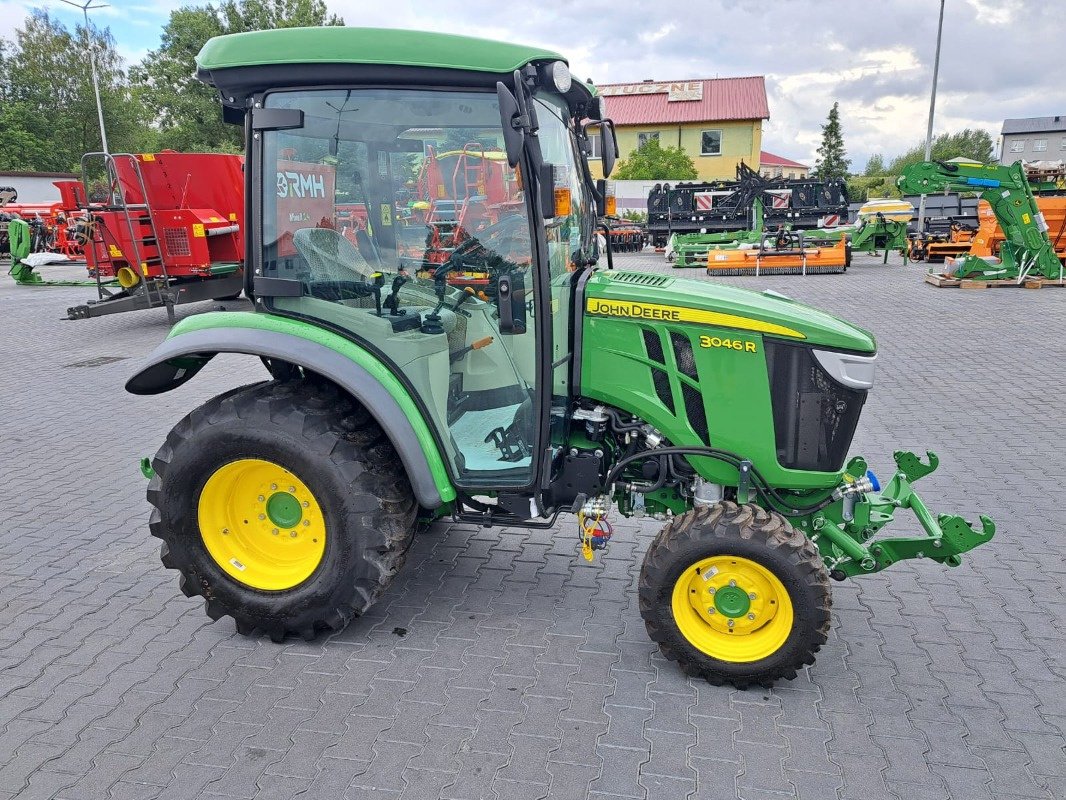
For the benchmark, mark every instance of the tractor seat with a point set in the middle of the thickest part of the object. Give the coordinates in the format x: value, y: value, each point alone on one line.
x: 330, y: 256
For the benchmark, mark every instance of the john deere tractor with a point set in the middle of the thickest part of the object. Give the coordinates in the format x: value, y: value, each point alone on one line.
x: 560, y: 387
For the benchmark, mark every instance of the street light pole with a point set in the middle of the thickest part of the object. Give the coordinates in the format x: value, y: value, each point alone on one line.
x: 85, y: 9
x: 932, y: 108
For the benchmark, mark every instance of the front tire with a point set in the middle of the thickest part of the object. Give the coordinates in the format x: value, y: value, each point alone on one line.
x: 284, y: 506
x: 735, y: 595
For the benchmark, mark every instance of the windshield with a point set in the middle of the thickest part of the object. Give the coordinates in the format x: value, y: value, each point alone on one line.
x: 404, y: 175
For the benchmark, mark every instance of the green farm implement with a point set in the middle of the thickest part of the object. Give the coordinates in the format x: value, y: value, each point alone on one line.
x: 560, y: 387
x: 1026, y: 251
x: 20, y: 240
x: 869, y: 234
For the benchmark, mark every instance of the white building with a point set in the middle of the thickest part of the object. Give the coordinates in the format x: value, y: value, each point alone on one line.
x: 35, y: 187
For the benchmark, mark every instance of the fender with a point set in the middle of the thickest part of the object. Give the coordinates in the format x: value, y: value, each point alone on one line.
x: 194, y: 341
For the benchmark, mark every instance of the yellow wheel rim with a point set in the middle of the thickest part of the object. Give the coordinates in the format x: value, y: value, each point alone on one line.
x: 732, y: 609
x: 261, y: 524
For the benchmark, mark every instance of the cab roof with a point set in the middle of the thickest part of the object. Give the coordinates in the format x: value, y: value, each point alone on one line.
x: 367, y: 46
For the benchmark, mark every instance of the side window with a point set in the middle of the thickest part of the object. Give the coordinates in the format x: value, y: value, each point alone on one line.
x: 396, y: 213
x: 1017, y: 146
x: 711, y: 143
x: 644, y: 138
x: 596, y: 145
x: 570, y: 237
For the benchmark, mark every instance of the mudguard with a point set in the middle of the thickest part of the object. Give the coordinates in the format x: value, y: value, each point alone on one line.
x: 196, y: 340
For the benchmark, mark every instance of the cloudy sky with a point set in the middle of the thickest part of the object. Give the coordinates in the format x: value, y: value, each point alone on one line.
x: 1001, y: 58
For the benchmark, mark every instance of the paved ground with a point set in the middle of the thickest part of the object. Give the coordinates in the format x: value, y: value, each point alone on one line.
x: 525, y: 672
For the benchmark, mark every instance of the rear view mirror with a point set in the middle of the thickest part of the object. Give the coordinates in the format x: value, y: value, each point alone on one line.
x: 610, y: 146
x: 514, y: 137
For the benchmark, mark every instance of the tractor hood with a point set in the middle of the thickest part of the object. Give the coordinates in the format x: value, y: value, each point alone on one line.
x: 664, y: 298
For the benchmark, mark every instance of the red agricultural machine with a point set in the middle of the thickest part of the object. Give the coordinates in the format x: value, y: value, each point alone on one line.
x: 458, y: 192
x: 166, y: 226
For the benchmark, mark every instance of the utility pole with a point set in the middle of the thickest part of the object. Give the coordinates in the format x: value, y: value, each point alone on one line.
x: 85, y: 9
x: 932, y: 108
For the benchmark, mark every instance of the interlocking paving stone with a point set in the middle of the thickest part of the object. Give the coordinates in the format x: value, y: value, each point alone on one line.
x: 526, y: 672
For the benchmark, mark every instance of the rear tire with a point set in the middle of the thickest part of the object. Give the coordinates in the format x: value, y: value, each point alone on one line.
x: 735, y: 595
x: 357, y: 504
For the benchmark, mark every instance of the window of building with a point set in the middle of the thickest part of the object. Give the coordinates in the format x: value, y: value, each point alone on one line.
x: 711, y: 143
x: 1017, y: 146
x: 644, y: 138
x: 1039, y: 145
x: 595, y: 145
x: 1062, y: 144
x: 792, y: 175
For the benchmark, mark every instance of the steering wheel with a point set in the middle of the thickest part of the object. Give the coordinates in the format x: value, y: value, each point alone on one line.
x: 484, y: 248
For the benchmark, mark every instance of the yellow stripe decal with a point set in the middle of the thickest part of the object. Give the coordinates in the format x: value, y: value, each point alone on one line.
x: 652, y: 311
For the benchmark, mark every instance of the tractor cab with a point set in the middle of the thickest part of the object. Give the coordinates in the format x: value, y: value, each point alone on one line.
x: 436, y: 214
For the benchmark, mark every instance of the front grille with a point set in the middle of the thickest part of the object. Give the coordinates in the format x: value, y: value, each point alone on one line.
x: 662, y: 388
x: 814, y: 416
x: 653, y: 345
x: 686, y: 360
x: 697, y: 417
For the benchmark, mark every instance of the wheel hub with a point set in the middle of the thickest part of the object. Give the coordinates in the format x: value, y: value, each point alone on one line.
x: 732, y: 601
x: 284, y: 510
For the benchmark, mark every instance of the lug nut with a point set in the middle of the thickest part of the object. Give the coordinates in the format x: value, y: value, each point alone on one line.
x: 733, y: 584
x: 225, y: 530
x: 711, y: 589
x: 730, y: 623
x: 292, y: 490
x: 275, y: 531
x: 307, y: 522
x: 306, y: 504
x: 292, y: 534
x: 260, y: 498
x: 273, y: 487
x: 751, y: 595
x: 710, y: 610
x: 751, y: 616
x: 262, y: 516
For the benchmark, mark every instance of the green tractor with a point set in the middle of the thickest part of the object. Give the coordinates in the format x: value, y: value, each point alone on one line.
x: 557, y: 387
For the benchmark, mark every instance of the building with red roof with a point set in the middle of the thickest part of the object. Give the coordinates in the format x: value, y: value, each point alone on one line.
x: 775, y: 166
x: 716, y: 121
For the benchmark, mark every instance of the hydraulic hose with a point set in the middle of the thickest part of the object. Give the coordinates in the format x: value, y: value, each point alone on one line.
x: 759, y: 483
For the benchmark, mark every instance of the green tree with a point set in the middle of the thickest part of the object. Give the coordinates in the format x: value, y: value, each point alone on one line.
x: 187, y: 112
x: 653, y: 162
x: 875, y: 165
x: 967, y: 143
x: 48, y: 113
x: 832, y: 157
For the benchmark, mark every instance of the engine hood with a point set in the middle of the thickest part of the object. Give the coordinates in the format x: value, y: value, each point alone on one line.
x: 653, y: 297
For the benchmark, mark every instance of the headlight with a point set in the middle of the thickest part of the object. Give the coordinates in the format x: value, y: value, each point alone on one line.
x: 561, y: 77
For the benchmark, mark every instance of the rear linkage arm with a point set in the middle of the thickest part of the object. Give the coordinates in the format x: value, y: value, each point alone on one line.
x: 843, y: 530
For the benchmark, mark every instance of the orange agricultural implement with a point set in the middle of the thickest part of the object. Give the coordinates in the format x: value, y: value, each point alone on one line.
x: 782, y: 253
x: 989, y: 235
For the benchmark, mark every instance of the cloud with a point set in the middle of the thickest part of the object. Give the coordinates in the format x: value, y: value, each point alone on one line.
x: 999, y: 57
